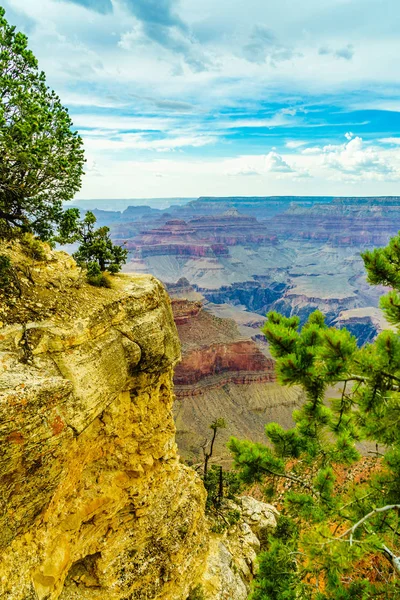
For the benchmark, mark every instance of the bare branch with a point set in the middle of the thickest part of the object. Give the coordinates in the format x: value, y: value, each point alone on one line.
x: 352, y: 529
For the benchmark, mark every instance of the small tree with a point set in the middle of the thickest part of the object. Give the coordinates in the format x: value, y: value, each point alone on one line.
x: 41, y: 157
x: 215, y: 425
x: 337, y: 538
x: 96, y: 252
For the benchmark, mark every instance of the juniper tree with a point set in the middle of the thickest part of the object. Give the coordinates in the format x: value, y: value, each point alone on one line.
x: 96, y: 251
x: 41, y: 157
x: 334, y: 539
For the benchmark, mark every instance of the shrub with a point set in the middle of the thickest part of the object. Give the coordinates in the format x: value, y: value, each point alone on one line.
x: 9, y: 282
x: 95, y: 277
x: 33, y: 247
x: 196, y: 593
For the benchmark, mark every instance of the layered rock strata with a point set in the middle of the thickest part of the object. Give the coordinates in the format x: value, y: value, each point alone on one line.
x: 214, y: 348
x: 94, y: 501
x: 205, y: 236
x: 224, y: 373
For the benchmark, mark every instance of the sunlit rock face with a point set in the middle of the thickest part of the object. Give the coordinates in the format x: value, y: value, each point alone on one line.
x: 232, y: 559
x: 94, y: 501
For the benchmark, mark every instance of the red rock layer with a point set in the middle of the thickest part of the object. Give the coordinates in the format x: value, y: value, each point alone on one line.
x: 202, y: 236
x: 213, y: 352
x: 236, y: 357
x: 184, y: 310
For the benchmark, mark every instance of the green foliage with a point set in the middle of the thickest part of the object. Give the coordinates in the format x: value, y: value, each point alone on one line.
x: 221, y: 486
x: 33, y: 247
x: 231, y: 485
x: 277, y: 580
x: 277, y: 575
x: 219, y: 423
x: 5, y: 273
x: 95, y: 277
x: 96, y: 252
x: 9, y: 283
x: 339, y: 528
x: 41, y: 157
x: 196, y: 593
x: 96, y: 247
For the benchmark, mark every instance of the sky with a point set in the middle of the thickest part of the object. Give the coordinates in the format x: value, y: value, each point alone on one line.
x: 225, y: 97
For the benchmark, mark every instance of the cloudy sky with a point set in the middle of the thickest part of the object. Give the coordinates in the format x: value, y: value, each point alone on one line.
x: 225, y: 97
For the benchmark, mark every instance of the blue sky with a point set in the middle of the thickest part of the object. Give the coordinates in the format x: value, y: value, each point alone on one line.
x: 218, y: 97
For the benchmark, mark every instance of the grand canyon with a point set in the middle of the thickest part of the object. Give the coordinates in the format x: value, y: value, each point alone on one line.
x: 225, y: 263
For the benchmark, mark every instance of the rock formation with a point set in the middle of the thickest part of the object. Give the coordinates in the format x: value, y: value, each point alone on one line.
x: 223, y: 373
x: 292, y: 254
x: 213, y: 348
x: 232, y: 559
x: 344, y: 222
x: 364, y: 323
x: 94, y: 501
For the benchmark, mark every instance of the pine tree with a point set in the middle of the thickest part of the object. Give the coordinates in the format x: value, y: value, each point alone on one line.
x: 96, y: 251
x: 42, y: 159
x: 335, y: 540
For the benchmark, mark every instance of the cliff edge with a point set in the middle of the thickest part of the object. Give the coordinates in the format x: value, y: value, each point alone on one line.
x: 94, y: 502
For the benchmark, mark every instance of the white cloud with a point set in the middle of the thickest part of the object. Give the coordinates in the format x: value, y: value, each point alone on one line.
x: 195, y: 62
x: 263, y: 46
x: 183, y: 176
x: 314, y: 150
x: 280, y: 119
x: 120, y: 122
x: 390, y: 140
x: 245, y: 171
x: 293, y: 144
x: 140, y: 142
x: 355, y: 159
x: 346, y: 52
x: 274, y: 163
x: 84, y: 99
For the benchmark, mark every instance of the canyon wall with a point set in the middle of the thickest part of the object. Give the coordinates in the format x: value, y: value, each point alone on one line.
x: 293, y: 255
x: 94, y: 501
x: 226, y: 374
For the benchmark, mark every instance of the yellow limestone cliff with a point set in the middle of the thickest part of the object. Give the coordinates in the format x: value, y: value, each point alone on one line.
x: 94, y: 503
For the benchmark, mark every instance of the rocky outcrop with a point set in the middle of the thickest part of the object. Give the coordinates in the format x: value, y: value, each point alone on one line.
x: 364, y: 323
x: 184, y: 310
x: 205, y: 236
x: 232, y: 559
x: 94, y: 501
x: 176, y: 238
x: 258, y: 296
